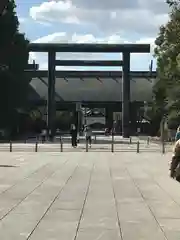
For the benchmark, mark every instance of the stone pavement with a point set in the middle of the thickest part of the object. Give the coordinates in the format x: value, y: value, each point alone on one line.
x: 88, y: 196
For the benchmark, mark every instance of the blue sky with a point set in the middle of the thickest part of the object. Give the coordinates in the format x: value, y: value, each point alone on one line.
x: 86, y: 21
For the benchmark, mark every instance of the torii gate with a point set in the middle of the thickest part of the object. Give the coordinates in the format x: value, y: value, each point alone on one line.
x: 125, y: 49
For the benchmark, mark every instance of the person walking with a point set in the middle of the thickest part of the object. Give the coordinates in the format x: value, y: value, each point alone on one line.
x: 88, y: 134
x: 73, y: 135
x: 43, y: 135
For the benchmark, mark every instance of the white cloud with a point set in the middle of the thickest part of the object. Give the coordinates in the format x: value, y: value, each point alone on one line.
x: 115, y: 16
x: 62, y: 37
x: 59, y: 12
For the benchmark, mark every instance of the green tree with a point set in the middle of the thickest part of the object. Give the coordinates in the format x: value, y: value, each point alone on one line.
x: 13, y: 60
x: 167, y: 52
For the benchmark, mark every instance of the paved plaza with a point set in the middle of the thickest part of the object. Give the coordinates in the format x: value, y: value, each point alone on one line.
x: 88, y: 196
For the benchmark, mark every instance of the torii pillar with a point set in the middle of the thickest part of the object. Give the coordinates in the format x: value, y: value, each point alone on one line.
x: 51, y: 106
x: 126, y: 95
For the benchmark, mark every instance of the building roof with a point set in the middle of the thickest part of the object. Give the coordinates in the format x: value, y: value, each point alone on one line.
x: 94, y: 89
x: 89, y: 74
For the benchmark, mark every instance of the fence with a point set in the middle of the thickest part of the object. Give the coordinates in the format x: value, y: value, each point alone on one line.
x: 106, y: 145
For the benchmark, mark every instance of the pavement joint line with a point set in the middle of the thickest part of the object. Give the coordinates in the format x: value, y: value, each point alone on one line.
x: 19, y: 181
x: 115, y: 200
x: 149, y: 207
x: 53, y: 201
x: 44, y: 180
x: 163, y: 189
x: 85, y: 199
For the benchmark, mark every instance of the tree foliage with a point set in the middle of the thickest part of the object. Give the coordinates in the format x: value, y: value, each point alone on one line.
x: 13, y: 60
x: 167, y: 52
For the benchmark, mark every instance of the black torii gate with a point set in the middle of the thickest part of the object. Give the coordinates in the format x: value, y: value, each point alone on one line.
x: 125, y: 49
